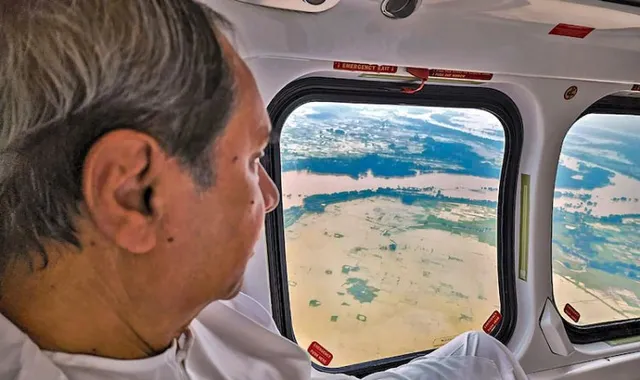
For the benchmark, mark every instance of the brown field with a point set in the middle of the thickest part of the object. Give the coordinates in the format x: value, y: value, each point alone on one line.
x: 435, y: 285
x: 594, y: 305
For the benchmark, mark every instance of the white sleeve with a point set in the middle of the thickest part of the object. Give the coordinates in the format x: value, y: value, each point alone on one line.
x: 473, y: 355
x: 449, y: 368
x: 428, y: 368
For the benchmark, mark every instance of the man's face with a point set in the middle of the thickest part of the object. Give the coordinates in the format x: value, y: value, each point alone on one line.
x: 213, y: 233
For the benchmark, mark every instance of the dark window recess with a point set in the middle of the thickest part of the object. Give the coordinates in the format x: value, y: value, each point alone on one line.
x: 633, y: 3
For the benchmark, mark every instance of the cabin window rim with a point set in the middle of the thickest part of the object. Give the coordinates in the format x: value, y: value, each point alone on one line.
x: 318, y: 89
x: 613, y: 330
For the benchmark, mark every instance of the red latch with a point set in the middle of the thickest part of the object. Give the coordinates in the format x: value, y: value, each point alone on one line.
x: 419, y: 73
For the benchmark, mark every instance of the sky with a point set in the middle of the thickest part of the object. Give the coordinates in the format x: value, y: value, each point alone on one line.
x: 474, y: 121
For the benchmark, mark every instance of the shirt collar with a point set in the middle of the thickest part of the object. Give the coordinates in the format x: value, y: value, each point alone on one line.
x: 176, y: 353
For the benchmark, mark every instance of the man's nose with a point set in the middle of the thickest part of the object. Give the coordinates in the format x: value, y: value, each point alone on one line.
x: 269, y: 191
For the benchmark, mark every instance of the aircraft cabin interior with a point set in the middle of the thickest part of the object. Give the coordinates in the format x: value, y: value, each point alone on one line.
x: 446, y: 166
x: 442, y: 166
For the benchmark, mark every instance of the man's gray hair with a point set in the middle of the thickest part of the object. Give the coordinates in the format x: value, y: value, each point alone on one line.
x: 74, y: 70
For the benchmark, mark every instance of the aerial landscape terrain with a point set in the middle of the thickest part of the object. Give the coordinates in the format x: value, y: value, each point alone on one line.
x: 390, y: 224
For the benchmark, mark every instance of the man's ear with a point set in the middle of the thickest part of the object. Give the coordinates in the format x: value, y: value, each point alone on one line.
x: 119, y: 175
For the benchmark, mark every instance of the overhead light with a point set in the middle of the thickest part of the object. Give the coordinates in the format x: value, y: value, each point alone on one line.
x: 398, y: 9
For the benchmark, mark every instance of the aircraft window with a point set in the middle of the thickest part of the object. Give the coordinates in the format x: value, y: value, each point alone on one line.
x: 396, y: 228
x: 596, y: 221
x: 390, y: 225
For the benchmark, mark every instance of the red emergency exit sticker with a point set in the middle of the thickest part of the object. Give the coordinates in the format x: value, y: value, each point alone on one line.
x: 636, y: 87
x: 369, y: 68
x: 320, y: 353
x: 568, y: 30
x: 571, y: 313
x: 492, y: 322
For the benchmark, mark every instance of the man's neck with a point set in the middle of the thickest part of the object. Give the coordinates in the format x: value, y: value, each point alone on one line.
x: 72, y: 310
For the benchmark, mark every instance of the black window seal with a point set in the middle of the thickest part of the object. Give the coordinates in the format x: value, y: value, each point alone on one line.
x: 605, y: 331
x: 373, y: 92
x: 633, y: 3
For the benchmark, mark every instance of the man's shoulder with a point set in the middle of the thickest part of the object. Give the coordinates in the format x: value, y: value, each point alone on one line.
x: 244, y: 305
x: 239, y: 334
x: 20, y: 357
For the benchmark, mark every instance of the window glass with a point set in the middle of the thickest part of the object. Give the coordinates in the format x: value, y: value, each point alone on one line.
x: 390, y: 225
x: 596, y: 221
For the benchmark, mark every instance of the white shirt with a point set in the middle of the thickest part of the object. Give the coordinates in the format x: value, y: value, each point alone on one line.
x: 234, y: 339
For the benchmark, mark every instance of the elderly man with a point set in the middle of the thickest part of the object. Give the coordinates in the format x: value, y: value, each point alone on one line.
x: 131, y: 196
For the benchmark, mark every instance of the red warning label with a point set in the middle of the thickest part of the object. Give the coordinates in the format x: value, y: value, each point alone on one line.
x: 571, y: 313
x: 458, y: 74
x: 353, y: 66
x: 320, y: 353
x: 568, y: 30
x: 636, y: 87
x: 492, y: 322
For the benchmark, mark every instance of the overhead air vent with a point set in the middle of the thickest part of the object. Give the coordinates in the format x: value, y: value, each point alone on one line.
x: 398, y: 9
x: 311, y: 6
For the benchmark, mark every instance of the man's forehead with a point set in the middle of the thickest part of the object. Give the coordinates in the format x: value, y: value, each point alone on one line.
x: 247, y: 90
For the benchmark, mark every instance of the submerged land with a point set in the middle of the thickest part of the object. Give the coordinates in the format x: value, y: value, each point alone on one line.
x: 391, y: 229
